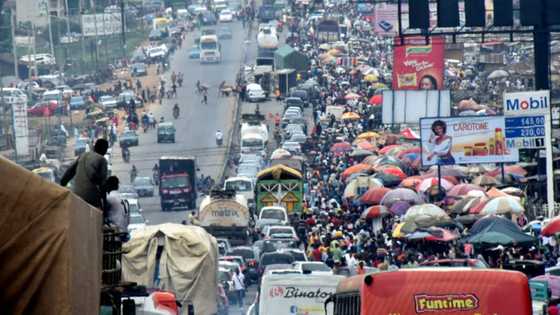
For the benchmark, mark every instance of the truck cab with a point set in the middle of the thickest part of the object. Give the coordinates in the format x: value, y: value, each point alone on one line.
x: 177, y: 188
x: 243, y: 186
x: 253, y: 142
x: 210, y: 49
x: 166, y: 132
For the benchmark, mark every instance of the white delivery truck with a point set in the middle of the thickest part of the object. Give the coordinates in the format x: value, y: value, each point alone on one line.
x: 296, y: 294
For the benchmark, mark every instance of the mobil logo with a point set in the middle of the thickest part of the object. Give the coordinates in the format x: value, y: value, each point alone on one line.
x: 527, y: 102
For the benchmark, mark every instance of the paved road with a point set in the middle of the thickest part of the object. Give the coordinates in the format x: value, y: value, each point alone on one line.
x: 197, y: 124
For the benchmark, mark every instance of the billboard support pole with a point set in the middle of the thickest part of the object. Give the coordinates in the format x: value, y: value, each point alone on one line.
x: 503, y: 172
x: 549, y: 166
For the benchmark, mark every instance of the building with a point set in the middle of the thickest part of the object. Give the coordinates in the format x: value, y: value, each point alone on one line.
x: 36, y: 10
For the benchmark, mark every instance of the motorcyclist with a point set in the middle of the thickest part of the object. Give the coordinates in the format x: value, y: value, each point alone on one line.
x: 155, y: 174
x: 176, y: 110
x: 161, y: 119
x: 125, y: 153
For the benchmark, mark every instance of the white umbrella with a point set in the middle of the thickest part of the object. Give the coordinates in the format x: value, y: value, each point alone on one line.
x: 498, y: 74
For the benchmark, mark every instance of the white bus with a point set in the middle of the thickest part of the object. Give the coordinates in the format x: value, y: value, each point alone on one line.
x: 210, y: 49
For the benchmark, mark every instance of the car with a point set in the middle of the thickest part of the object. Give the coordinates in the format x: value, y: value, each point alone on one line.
x: 166, y: 132
x: 77, y: 102
x: 472, y: 263
x: 53, y: 95
x: 133, y: 203
x: 224, y: 243
x: 138, y: 69
x: 294, y: 101
x: 314, y: 267
x: 273, y: 215
x: 65, y: 89
x: 280, y: 232
x: 156, y: 35
x: 85, y: 88
x: 207, y: 18
x: 299, y: 255
x: 124, y: 98
x: 157, y: 53
x: 81, y: 145
x: 225, y: 16
x: 144, y: 186
x: 136, y: 222
x: 108, y: 102
x: 224, y: 33
x: 280, y: 269
x: 238, y: 259
x: 129, y: 138
x: 194, y: 52
x: 231, y: 266
x: 301, y: 94
x: 298, y: 138
x: 128, y: 192
x: 45, y: 108
x: 274, y: 258
x: 208, y: 31
x: 292, y: 147
x: 39, y: 59
x: 247, y: 252
x: 255, y: 93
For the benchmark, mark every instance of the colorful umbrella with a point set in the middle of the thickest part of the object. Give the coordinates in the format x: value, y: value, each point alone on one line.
x: 341, y: 147
x: 509, y: 169
x: 462, y: 189
x: 401, y: 194
x: 441, y: 235
x: 360, y: 153
x: 411, y: 182
x: 395, y: 171
x: 400, y: 207
x: 430, y: 183
x: 494, y: 192
x: 425, y: 215
x: 388, y: 148
x: 514, y: 191
x: 366, y: 145
x: 466, y: 204
x: 485, y: 180
x: 374, y: 195
x: 368, y: 135
x: 553, y: 283
x: 476, y: 170
x: 552, y: 227
x: 358, y: 168
x: 371, y: 78
x: 376, y: 100
x: 409, y: 134
x: 374, y: 212
x: 350, y: 116
x: 446, y: 171
x: 397, y: 233
x: 416, y: 150
x: 502, y: 205
x: 396, y: 150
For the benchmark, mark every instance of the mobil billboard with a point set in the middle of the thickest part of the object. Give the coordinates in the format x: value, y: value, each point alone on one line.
x: 527, y: 103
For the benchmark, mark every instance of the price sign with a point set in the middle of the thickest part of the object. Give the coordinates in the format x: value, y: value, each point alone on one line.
x: 525, y: 132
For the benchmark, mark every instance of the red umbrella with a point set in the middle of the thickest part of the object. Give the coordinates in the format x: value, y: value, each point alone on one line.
x: 376, y: 99
x: 356, y: 169
x: 395, y: 171
x: 410, y: 134
x: 374, y: 195
x: 366, y: 145
x: 552, y: 227
x: 407, y: 151
x: 374, y: 212
x: 441, y: 235
x: 463, y: 189
x: 388, y: 148
x: 411, y: 182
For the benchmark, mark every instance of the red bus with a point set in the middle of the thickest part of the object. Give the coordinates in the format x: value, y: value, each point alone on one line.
x: 430, y: 291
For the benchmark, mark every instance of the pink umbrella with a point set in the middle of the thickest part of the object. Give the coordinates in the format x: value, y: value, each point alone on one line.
x: 428, y: 183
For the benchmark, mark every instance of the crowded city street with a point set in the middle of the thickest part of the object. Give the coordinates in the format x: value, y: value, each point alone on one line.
x: 280, y: 157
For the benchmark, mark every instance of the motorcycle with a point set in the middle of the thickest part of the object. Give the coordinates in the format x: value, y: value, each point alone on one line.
x: 219, y: 138
x: 176, y: 112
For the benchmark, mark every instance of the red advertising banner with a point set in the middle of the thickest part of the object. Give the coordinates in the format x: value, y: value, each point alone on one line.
x: 417, y: 65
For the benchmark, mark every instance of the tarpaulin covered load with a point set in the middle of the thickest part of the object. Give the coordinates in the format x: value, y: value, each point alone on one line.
x: 188, y: 263
x: 50, y: 247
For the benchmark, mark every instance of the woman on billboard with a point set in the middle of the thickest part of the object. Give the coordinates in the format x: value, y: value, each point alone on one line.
x: 439, y: 144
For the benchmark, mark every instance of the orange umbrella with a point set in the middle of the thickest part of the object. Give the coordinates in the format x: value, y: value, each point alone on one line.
x: 374, y: 195
x: 395, y: 171
x: 411, y: 182
x: 358, y: 168
x: 494, y: 192
x: 365, y: 145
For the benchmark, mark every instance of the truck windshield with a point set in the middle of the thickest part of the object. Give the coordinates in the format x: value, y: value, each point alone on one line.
x: 208, y: 45
x: 273, y: 214
x: 252, y: 143
x: 175, y: 182
x: 238, y: 185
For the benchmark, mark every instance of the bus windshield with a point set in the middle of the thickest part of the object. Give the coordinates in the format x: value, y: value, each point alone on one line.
x: 208, y: 45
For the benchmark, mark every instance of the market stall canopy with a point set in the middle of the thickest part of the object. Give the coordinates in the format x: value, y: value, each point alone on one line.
x: 494, y: 231
x: 279, y: 171
x: 286, y: 57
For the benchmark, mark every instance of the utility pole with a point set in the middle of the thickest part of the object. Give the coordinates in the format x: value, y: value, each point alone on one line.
x: 34, y: 47
x: 82, y: 42
x: 14, y: 50
x: 48, y: 9
x: 123, y: 31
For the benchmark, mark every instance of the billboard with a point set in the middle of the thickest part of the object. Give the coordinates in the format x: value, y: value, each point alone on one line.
x: 21, y: 128
x: 387, y: 19
x: 417, y: 64
x: 407, y: 107
x: 527, y: 103
x: 465, y: 140
x: 101, y: 24
x: 526, y: 122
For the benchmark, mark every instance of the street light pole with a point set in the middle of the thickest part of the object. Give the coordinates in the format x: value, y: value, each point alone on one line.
x: 123, y: 30
x: 14, y: 50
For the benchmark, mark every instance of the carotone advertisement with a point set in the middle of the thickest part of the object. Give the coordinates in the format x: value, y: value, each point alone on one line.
x: 465, y: 140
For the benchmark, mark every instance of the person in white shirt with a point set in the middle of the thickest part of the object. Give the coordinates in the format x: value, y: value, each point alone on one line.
x: 239, y: 286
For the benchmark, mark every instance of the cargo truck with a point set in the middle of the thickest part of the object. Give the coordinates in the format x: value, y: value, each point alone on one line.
x: 177, y: 189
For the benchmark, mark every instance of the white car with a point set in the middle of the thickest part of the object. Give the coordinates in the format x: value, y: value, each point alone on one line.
x: 157, y: 52
x: 225, y: 16
x: 280, y: 232
x: 137, y: 222
x: 107, y: 101
x: 255, y: 93
x: 273, y: 215
x: 40, y: 59
x: 292, y: 147
x: 314, y: 267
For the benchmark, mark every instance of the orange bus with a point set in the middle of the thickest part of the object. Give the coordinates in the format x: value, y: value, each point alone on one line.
x: 430, y: 291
